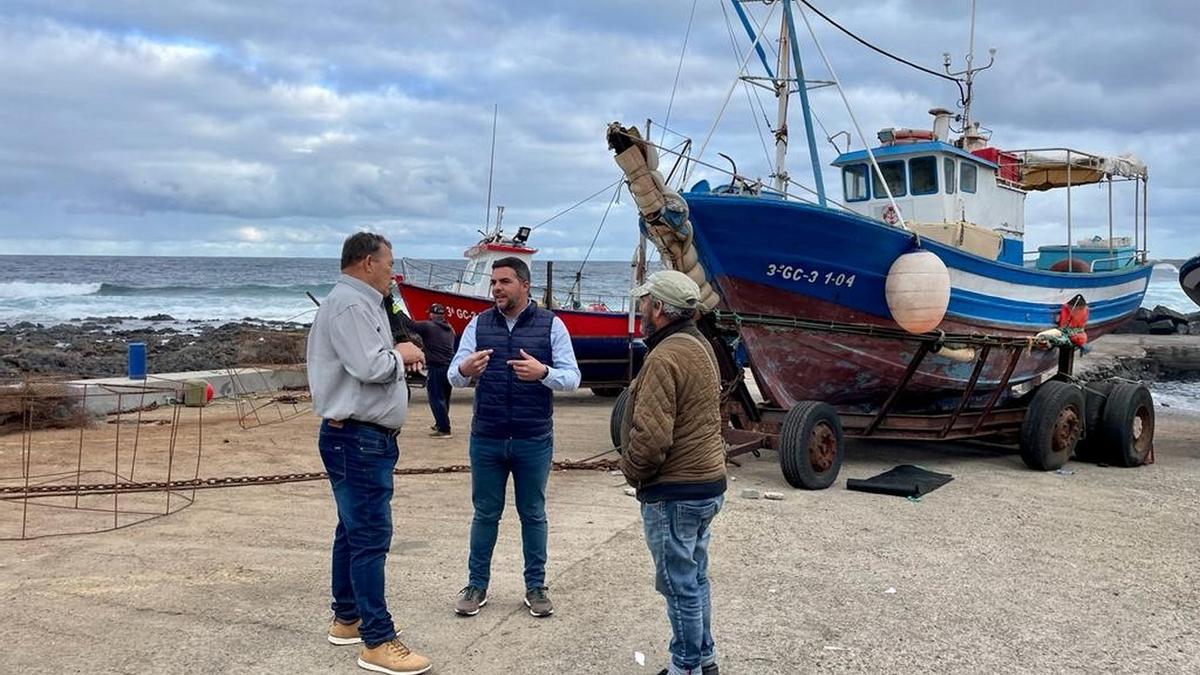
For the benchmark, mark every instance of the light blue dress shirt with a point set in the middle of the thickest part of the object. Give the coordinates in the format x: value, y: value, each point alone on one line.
x: 564, y: 372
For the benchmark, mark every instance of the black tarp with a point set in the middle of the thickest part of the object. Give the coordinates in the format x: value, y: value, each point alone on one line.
x: 905, y: 480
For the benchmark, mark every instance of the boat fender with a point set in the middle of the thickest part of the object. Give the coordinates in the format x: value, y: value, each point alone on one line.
x: 961, y: 354
x: 917, y: 289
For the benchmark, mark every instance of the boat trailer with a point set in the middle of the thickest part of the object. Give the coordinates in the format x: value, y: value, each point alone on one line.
x: 1111, y: 421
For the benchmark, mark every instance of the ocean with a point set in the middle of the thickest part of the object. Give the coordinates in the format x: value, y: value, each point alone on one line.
x: 58, y: 289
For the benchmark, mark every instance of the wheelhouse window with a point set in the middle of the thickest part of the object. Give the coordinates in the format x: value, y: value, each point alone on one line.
x: 893, y: 173
x: 922, y: 175
x: 967, y: 176
x: 948, y: 174
x: 854, y: 182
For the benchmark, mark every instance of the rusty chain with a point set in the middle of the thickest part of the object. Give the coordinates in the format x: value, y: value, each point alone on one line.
x: 32, y: 491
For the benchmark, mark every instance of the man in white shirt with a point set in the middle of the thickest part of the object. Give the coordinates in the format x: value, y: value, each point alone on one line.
x: 518, y: 354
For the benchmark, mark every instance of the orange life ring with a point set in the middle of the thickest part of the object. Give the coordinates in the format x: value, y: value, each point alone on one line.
x: 916, y: 134
x: 1070, y: 265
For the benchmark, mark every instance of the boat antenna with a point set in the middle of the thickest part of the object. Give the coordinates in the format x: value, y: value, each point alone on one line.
x: 487, y: 213
x: 968, y: 73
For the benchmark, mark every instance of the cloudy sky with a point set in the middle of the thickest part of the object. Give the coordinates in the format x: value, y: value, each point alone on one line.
x: 226, y: 127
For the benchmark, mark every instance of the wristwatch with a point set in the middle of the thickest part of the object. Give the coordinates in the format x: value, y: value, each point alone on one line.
x: 545, y: 374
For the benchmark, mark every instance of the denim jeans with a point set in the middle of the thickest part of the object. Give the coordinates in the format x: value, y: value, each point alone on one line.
x: 437, y: 387
x: 360, y: 461
x: 677, y: 533
x: 492, y: 460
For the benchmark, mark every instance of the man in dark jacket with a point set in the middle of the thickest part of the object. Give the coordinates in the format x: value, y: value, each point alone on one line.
x: 518, y: 354
x: 672, y: 452
x: 437, y: 336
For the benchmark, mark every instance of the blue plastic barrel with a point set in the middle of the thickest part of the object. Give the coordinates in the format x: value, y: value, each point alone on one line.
x: 137, y: 360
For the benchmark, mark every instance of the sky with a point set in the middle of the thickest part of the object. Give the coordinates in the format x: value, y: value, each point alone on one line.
x: 224, y: 127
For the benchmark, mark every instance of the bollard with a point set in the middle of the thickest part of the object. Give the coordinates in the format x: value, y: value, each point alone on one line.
x: 137, y: 360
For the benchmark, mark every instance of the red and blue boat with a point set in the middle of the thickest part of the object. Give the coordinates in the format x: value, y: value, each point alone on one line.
x: 607, y: 343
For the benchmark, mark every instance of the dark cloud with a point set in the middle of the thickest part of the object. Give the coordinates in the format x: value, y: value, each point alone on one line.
x: 226, y: 127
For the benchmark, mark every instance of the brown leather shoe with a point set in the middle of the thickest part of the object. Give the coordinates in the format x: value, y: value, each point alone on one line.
x: 345, y: 633
x: 392, y: 658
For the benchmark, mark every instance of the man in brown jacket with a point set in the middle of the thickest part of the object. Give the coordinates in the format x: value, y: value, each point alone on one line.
x: 672, y: 452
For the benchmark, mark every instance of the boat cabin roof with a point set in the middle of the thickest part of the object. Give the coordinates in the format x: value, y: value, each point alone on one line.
x: 910, y: 149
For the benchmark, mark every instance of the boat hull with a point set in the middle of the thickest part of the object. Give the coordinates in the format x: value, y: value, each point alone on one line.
x: 604, y: 342
x: 1189, y: 278
x: 768, y: 256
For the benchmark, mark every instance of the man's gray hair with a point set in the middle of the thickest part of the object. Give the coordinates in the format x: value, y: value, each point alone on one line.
x: 360, y: 245
x: 673, y: 312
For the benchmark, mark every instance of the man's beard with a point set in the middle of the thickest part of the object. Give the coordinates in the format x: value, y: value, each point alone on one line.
x: 648, y: 328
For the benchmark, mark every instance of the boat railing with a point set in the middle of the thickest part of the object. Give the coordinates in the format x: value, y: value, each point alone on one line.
x: 1063, y: 167
x: 445, y: 277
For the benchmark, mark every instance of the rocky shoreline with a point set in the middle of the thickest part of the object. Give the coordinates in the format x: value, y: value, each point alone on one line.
x: 1161, y: 321
x: 97, y: 346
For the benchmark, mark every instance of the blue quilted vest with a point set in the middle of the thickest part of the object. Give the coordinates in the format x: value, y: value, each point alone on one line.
x: 505, y: 406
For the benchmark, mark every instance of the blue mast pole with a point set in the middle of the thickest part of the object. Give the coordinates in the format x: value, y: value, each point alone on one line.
x: 803, y: 89
x: 762, y: 56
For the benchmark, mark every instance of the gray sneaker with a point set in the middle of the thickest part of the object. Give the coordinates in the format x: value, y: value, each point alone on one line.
x: 538, y: 602
x: 470, y: 599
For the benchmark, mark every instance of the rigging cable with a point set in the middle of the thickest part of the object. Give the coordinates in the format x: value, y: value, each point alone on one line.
x: 679, y: 69
x: 962, y: 93
x: 746, y: 86
x: 579, y: 272
x: 581, y: 202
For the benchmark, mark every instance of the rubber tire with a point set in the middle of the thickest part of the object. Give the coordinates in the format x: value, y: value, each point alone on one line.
x: 1116, y: 426
x: 798, y: 426
x: 1039, y: 426
x: 607, y: 392
x: 614, y: 422
x: 1095, y: 396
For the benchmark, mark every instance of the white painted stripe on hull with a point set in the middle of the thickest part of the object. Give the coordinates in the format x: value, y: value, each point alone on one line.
x: 1007, y: 290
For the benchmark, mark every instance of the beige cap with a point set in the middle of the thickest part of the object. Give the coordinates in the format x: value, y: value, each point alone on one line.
x: 672, y: 287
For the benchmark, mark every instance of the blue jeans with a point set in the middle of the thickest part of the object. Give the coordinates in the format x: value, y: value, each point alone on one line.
x: 677, y: 533
x: 437, y: 387
x: 492, y: 460
x: 359, y: 461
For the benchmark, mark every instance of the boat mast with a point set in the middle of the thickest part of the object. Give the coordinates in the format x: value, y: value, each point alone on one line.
x: 783, y: 86
x: 968, y: 73
x: 806, y: 111
x: 487, y: 213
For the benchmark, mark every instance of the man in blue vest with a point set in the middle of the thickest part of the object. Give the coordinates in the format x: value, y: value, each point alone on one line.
x: 518, y: 354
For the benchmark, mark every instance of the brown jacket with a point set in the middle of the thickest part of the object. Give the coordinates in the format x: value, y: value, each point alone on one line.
x: 671, y: 430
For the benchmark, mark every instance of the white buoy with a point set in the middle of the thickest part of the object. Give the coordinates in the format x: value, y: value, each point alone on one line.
x: 918, y: 291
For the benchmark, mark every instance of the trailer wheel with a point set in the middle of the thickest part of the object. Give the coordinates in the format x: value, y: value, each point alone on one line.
x: 1052, y: 426
x: 1127, y: 427
x: 614, y: 422
x: 1095, y: 398
x: 811, y: 445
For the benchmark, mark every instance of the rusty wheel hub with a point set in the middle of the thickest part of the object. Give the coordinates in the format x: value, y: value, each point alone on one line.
x: 1066, y: 430
x: 1142, y: 432
x: 822, y: 447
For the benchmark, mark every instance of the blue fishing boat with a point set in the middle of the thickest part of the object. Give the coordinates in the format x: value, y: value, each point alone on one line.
x: 892, y: 298
x: 1189, y: 278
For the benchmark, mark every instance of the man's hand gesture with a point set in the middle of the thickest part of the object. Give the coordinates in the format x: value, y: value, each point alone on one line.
x: 475, y: 364
x: 413, y: 357
x: 528, y: 368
